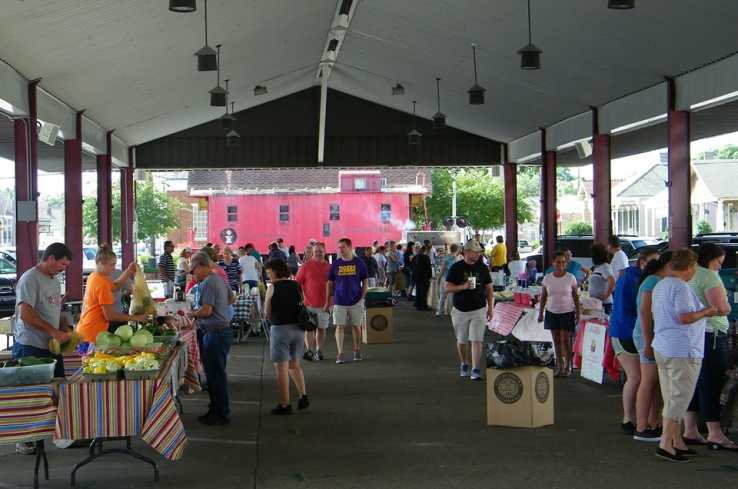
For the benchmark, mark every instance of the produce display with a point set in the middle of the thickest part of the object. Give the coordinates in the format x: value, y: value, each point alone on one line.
x: 101, y: 363
x: 26, y: 371
x: 68, y: 347
x: 141, y: 301
x: 26, y: 362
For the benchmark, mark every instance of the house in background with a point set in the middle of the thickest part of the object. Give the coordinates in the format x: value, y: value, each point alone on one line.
x: 641, y: 204
x: 235, y: 207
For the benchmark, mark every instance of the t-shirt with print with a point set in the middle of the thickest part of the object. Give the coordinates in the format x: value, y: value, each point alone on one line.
x: 599, y: 282
x: 558, y: 289
x: 705, y: 279
x: 347, y: 277
x: 43, y: 294
x: 215, y: 293
x: 470, y: 299
x: 98, y: 294
x: 312, y: 277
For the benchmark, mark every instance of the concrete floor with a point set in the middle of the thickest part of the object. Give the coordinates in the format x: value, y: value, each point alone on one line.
x: 400, y: 419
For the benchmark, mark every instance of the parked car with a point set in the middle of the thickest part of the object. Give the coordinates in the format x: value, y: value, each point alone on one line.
x: 524, y: 246
x: 7, y: 287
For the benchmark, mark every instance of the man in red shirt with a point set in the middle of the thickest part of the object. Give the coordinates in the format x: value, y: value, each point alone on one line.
x: 312, y: 278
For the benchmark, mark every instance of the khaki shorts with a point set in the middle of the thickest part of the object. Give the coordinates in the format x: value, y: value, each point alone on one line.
x: 678, y: 379
x: 470, y: 325
x: 349, y: 315
x: 324, y: 318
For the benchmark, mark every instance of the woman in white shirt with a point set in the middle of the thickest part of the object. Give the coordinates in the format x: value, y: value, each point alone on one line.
x: 516, y: 267
x: 560, y: 304
x: 602, y: 280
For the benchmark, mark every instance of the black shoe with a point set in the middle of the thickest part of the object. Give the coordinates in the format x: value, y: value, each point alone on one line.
x: 281, y: 410
x: 319, y: 355
x: 628, y: 428
x: 213, y: 420
x: 204, y: 416
x: 304, y: 403
x: 646, y: 435
x: 685, y: 453
x: 661, y: 453
x: 308, y: 355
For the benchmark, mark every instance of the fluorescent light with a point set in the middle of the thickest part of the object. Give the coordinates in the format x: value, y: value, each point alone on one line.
x: 6, y: 107
x: 722, y: 99
x: 637, y: 125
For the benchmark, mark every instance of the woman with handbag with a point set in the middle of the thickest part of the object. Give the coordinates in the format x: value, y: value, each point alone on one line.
x: 283, y: 309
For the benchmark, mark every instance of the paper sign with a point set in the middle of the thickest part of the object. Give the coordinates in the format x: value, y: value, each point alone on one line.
x: 593, y: 352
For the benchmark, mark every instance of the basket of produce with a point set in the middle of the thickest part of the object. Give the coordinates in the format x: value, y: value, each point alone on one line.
x: 101, y: 367
x: 26, y: 371
x: 142, y: 366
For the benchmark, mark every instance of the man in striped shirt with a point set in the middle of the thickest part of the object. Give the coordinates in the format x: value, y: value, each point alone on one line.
x: 167, y: 270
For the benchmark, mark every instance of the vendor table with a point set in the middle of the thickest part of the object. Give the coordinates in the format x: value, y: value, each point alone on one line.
x: 193, y: 368
x: 520, y: 320
x: 27, y: 414
x: 120, y: 410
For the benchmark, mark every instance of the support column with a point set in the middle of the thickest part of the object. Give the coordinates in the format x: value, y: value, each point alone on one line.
x: 128, y: 240
x: 105, y: 196
x: 26, y: 185
x: 548, y: 201
x: 73, y: 211
x: 511, y: 207
x: 602, y: 185
x: 680, y: 188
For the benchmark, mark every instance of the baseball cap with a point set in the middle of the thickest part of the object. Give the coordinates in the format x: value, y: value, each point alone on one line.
x: 473, y: 245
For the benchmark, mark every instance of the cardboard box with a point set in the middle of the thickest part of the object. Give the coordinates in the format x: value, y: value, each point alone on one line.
x: 520, y: 397
x: 378, y: 325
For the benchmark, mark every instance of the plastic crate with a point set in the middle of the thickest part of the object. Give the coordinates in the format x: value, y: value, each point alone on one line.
x: 35, y: 374
x: 141, y: 374
x: 107, y: 377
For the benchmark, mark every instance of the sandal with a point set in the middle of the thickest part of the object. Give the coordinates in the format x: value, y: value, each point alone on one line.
x: 694, y: 441
x: 730, y: 446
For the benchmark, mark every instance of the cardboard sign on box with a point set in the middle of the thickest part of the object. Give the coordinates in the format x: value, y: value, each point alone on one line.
x: 378, y: 325
x: 520, y: 397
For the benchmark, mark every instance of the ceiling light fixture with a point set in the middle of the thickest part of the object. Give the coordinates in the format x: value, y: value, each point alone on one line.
x: 232, y: 137
x: 621, y: 4
x: 206, y: 57
x: 530, y: 54
x: 398, y: 89
x: 226, y: 120
x: 413, y: 137
x: 476, y: 92
x: 218, y: 94
x: 260, y: 90
x: 439, y: 118
x: 332, y: 45
x: 182, y: 6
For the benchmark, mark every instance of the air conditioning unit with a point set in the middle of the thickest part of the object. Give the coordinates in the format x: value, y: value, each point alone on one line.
x: 584, y: 149
x: 47, y: 133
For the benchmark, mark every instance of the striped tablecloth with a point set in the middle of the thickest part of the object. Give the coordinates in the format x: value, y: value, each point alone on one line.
x: 72, y: 364
x: 506, y: 316
x: 27, y: 413
x: 143, y: 408
x: 194, y: 367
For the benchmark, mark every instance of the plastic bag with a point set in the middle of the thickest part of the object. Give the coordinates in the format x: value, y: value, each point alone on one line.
x: 511, y: 352
x: 141, y: 302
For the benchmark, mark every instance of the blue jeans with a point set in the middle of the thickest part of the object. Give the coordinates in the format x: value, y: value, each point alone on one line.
x: 215, y: 348
x: 20, y: 351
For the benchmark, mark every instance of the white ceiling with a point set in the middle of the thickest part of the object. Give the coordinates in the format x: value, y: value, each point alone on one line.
x: 130, y: 63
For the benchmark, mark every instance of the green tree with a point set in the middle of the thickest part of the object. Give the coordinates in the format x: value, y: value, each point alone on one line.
x: 703, y: 227
x: 727, y: 152
x: 480, y: 198
x: 156, y: 212
x: 578, y: 228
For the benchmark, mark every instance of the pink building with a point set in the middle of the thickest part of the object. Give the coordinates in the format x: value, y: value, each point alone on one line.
x: 259, y: 206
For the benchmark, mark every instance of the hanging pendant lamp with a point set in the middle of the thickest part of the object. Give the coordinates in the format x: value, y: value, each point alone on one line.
x: 439, y: 118
x: 260, y: 90
x: 226, y: 120
x: 413, y: 137
x: 232, y: 138
x: 182, y: 6
x: 206, y: 56
x: 621, y: 4
x: 218, y: 94
x: 530, y: 54
x: 398, y: 89
x: 476, y: 92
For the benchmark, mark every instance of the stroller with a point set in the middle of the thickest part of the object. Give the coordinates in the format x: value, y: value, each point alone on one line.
x: 248, y: 319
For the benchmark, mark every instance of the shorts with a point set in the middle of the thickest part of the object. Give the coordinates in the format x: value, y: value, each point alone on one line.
x: 623, y: 345
x: 678, y: 380
x: 566, y: 321
x: 349, y: 315
x: 640, y: 346
x: 372, y: 282
x: 287, y: 342
x: 324, y: 318
x: 469, y: 325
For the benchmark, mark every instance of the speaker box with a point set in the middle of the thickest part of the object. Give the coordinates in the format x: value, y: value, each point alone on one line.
x: 584, y: 149
x: 378, y: 326
x: 48, y: 133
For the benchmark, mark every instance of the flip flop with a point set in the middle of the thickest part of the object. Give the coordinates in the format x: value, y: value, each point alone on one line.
x: 694, y: 441
x: 732, y: 447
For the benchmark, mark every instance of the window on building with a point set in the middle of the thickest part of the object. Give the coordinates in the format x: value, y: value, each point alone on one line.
x: 360, y: 184
x: 386, y: 212
x: 384, y: 182
x: 284, y: 213
x: 326, y: 229
x: 200, y: 224
x: 335, y: 212
x: 232, y: 213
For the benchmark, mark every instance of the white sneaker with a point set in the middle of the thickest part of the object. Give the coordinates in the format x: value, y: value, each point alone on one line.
x: 475, y: 374
x: 464, y: 370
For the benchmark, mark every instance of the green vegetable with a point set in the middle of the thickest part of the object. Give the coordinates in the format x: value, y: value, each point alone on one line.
x: 33, y: 361
x: 124, y: 332
x: 141, y: 339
